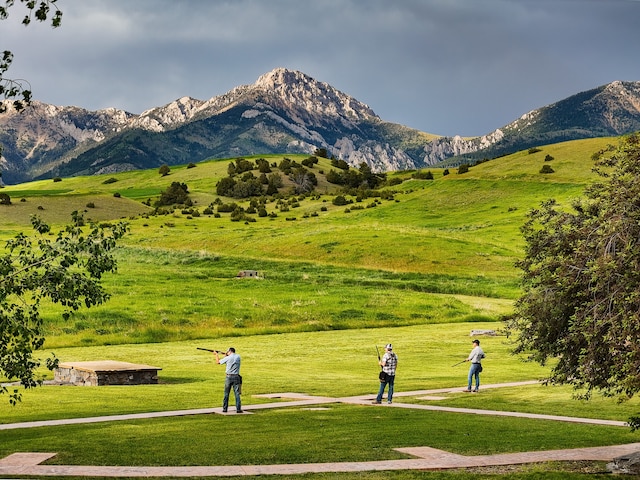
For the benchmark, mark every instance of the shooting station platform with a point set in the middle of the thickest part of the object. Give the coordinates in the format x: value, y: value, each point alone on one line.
x: 105, y: 372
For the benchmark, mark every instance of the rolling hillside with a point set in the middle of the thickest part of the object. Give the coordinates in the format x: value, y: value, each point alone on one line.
x: 432, y: 251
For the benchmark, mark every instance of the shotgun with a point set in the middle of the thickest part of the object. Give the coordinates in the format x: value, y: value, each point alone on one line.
x: 209, y: 350
x: 382, y: 376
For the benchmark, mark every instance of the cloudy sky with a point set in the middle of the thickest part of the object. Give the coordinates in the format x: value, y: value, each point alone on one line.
x: 446, y: 67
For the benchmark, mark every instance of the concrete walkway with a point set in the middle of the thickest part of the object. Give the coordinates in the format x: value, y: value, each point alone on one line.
x: 426, y: 458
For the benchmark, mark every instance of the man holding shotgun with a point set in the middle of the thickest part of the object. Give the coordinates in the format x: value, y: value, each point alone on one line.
x: 475, y: 357
x: 233, y: 379
x: 388, y: 362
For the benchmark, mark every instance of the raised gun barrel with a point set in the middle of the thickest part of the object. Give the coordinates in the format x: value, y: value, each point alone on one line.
x: 209, y: 350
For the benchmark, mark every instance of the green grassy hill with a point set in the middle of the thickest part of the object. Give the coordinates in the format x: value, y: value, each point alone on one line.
x: 437, y: 251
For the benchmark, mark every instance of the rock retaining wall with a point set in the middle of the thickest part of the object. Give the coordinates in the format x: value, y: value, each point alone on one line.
x: 105, y: 372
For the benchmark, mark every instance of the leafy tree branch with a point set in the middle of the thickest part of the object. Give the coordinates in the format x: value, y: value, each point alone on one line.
x: 66, y: 269
x: 16, y: 91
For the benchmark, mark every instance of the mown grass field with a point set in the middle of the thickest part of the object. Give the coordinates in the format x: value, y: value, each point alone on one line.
x: 419, y: 270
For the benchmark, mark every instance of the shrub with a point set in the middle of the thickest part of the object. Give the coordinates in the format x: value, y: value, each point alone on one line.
x: 334, y: 177
x: 341, y: 164
x: 285, y: 166
x: 263, y: 166
x: 227, y: 207
x: 321, y: 152
x: 243, y: 165
x: 247, y: 188
x: 464, y: 168
x: 191, y: 165
x: 340, y: 200
x: 110, y: 180
x: 5, y: 199
x: 117, y: 195
x: 238, y: 214
x: 546, y: 169
x: 91, y: 205
x: 310, y: 162
x: 423, y: 175
x: 176, y: 193
x: 57, y: 179
x: 534, y: 150
x: 548, y: 158
x: 225, y: 186
x: 164, y: 170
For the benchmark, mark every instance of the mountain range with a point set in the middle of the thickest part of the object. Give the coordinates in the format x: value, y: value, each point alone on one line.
x: 284, y: 111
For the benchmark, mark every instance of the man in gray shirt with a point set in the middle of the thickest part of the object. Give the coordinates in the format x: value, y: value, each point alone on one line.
x: 233, y: 379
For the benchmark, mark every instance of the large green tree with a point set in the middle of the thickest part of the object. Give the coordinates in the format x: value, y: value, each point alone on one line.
x: 64, y: 268
x: 581, y: 279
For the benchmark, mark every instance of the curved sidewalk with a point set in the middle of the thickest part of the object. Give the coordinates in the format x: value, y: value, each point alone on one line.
x: 427, y: 458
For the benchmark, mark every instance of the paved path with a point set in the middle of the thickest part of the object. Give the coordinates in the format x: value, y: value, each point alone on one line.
x: 426, y: 458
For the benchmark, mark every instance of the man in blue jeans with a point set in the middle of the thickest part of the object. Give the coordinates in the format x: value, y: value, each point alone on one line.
x: 233, y: 379
x: 389, y: 362
x: 475, y: 357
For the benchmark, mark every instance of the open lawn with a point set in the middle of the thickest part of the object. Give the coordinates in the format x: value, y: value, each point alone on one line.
x: 331, y: 363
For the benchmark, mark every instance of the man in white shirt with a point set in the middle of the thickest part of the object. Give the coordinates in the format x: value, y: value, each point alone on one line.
x: 475, y: 357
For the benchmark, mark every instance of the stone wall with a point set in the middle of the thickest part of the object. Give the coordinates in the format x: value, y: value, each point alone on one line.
x: 105, y: 372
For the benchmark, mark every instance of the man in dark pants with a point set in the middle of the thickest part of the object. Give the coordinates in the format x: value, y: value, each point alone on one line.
x: 233, y: 379
x: 389, y: 363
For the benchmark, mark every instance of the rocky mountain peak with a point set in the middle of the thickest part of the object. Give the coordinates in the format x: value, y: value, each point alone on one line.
x: 163, y: 118
x: 280, y: 78
x: 627, y: 94
x: 300, y: 90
